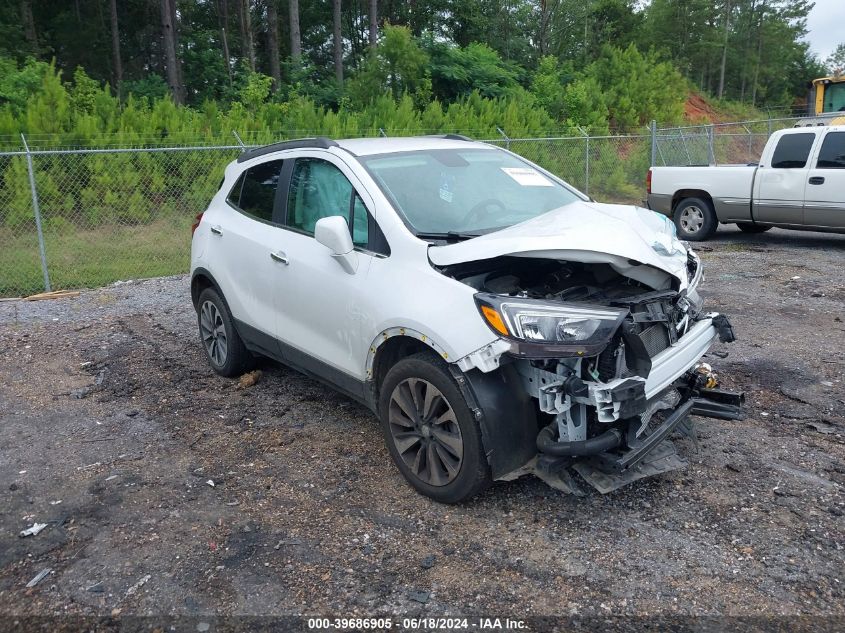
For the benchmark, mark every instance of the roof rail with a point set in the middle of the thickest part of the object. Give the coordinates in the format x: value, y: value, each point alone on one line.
x: 320, y: 142
x: 452, y: 137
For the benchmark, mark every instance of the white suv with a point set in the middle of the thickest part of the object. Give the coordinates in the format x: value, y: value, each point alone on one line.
x: 497, y: 321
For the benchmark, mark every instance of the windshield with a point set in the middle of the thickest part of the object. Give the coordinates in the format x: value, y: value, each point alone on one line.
x: 834, y: 97
x: 464, y: 192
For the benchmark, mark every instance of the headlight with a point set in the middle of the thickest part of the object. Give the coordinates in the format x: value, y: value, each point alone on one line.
x: 557, y: 328
x: 695, y: 271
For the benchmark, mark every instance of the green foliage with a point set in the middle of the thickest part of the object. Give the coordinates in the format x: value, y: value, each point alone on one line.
x: 456, y: 71
x: 150, y: 87
x: 255, y: 90
x: 584, y: 105
x: 547, y: 86
x: 637, y: 88
x: 398, y: 66
x: 17, y: 84
x: 836, y: 60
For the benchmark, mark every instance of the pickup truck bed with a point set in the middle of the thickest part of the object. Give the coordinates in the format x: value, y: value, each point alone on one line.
x: 799, y: 184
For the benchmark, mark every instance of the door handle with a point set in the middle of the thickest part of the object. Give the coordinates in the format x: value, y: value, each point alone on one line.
x: 280, y: 257
x: 216, y: 229
x: 817, y: 180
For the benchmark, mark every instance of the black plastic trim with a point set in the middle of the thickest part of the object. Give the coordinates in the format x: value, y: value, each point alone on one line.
x: 639, y: 451
x: 267, y: 345
x: 506, y: 414
x: 319, y: 142
x: 203, y: 272
x: 453, y: 137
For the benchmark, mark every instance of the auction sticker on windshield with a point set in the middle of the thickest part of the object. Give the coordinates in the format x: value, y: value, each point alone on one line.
x: 527, y: 177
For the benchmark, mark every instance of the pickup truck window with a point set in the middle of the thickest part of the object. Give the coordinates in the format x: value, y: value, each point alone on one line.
x: 832, y: 154
x: 792, y: 151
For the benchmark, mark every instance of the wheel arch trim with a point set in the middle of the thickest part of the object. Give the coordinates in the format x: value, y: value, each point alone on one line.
x: 395, y: 331
x: 195, y: 292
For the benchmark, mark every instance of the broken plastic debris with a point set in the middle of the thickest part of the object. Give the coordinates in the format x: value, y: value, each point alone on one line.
x: 138, y: 585
x: 39, y: 577
x: 33, y: 530
x: 55, y: 503
x: 210, y: 482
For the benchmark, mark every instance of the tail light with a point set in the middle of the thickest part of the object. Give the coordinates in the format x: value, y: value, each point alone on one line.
x: 197, y: 223
x: 648, y: 182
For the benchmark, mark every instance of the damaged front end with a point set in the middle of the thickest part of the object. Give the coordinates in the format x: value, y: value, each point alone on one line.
x: 611, y: 364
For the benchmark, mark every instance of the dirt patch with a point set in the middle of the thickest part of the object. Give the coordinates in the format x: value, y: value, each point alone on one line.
x: 167, y: 489
x: 697, y: 110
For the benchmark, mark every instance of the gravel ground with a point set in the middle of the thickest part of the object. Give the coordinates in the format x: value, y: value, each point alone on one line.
x: 113, y: 427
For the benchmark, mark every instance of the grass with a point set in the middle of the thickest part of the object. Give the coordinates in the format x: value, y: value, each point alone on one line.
x: 85, y: 258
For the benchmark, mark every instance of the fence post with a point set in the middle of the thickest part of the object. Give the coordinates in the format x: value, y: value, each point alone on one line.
x: 381, y: 132
x: 653, y: 142
x: 586, y: 160
x: 711, y: 150
x: 240, y: 142
x: 504, y: 136
x: 36, y: 209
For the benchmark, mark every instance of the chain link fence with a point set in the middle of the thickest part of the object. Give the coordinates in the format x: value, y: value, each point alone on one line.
x: 72, y: 218
x: 719, y: 143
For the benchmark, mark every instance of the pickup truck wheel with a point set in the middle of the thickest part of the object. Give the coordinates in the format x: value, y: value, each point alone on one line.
x: 430, y: 431
x: 695, y: 219
x: 748, y: 227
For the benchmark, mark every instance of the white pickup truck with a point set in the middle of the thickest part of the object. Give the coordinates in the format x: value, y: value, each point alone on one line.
x: 798, y: 184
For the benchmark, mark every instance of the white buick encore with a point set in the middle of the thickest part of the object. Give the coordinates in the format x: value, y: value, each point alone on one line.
x: 496, y: 320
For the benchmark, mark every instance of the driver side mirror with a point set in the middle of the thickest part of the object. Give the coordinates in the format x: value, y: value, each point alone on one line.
x: 333, y: 233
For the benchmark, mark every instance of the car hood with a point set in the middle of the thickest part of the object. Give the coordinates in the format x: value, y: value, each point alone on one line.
x: 637, y: 242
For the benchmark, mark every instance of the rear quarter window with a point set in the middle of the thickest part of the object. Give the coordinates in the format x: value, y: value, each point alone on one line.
x: 255, y: 191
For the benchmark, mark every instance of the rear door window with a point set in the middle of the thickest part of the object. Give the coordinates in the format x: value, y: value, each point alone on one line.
x: 792, y: 151
x: 832, y: 153
x: 255, y: 192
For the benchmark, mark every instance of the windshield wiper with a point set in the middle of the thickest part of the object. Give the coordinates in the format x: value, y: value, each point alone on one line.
x: 453, y: 236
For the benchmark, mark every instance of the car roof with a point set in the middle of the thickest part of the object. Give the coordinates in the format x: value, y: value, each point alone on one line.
x: 390, y: 145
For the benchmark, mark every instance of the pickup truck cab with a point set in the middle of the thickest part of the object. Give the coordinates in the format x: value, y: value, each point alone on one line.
x: 798, y: 184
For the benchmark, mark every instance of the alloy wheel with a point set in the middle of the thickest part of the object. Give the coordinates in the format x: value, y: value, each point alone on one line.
x: 692, y: 219
x: 213, y: 332
x: 425, y: 431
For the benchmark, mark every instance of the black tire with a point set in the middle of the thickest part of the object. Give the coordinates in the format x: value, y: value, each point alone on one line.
x: 695, y: 219
x: 748, y: 227
x: 236, y: 358
x: 438, y: 475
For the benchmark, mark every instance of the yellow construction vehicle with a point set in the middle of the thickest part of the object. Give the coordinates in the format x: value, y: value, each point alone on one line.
x: 826, y: 100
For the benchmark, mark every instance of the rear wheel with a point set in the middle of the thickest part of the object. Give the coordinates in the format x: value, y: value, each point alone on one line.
x: 430, y: 431
x: 695, y: 219
x: 225, y: 350
x: 748, y: 227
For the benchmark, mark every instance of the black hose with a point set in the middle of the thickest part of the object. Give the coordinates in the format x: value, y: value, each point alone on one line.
x: 593, y: 446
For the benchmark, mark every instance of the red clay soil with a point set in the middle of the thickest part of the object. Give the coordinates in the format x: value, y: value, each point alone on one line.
x: 697, y: 110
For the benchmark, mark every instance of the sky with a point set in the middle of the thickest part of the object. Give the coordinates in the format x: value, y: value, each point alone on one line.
x: 826, y: 27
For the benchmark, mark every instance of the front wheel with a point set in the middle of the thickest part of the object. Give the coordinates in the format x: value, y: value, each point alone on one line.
x: 695, y: 219
x: 748, y: 227
x: 430, y: 431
